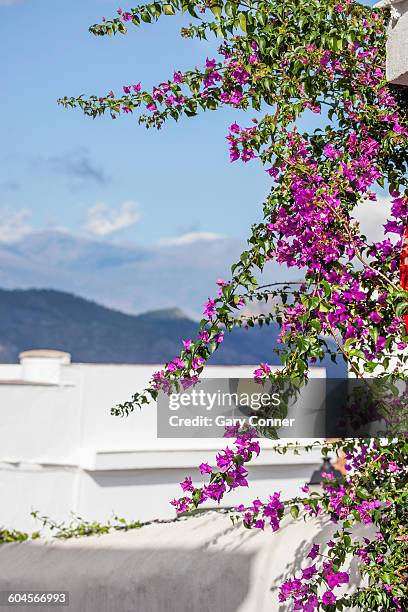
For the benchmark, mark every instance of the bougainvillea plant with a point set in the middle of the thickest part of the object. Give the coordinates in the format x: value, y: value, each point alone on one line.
x: 280, y: 60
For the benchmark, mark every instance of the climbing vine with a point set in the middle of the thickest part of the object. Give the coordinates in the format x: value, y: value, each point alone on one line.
x: 279, y: 61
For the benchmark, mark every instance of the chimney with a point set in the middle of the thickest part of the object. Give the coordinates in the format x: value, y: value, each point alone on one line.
x: 43, y: 365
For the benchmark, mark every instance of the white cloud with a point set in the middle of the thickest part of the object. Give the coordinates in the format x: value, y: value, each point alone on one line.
x: 14, y: 224
x: 101, y: 221
x: 190, y: 238
x: 372, y: 216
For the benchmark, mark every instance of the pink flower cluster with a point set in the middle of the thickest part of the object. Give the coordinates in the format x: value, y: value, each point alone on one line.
x: 230, y: 473
x: 300, y: 590
x: 259, y: 513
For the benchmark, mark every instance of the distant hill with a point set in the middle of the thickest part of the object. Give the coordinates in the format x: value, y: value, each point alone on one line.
x: 42, y: 318
x: 92, y: 333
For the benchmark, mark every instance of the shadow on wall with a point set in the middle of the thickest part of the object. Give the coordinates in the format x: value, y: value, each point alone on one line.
x: 125, y: 580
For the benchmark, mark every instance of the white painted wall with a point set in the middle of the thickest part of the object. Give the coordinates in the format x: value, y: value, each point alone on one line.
x: 62, y: 451
x: 397, y: 44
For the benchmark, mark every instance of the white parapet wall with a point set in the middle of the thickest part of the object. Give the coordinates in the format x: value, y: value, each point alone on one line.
x: 397, y: 44
x: 61, y: 451
x: 199, y: 564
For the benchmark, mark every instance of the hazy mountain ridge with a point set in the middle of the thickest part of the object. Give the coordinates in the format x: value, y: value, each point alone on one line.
x: 122, y: 276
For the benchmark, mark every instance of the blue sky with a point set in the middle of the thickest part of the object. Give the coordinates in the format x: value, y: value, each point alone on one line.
x: 109, y: 179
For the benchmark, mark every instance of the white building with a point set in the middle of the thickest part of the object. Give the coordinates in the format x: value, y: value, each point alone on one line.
x: 61, y: 451
x: 397, y: 43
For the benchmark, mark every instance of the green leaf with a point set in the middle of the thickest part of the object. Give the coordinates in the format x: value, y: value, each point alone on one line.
x: 242, y: 21
x: 230, y: 9
x: 168, y: 9
x: 294, y: 510
x: 347, y: 501
x: 362, y: 493
x: 216, y: 10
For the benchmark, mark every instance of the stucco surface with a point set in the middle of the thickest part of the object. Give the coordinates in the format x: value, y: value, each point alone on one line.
x: 199, y: 564
x: 397, y: 43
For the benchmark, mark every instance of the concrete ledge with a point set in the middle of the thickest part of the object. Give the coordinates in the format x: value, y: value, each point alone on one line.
x: 185, y: 458
x: 158, y: 458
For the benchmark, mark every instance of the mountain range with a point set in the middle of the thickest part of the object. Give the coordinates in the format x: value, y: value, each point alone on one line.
x: 93, y: 333
x: 41, y: 318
